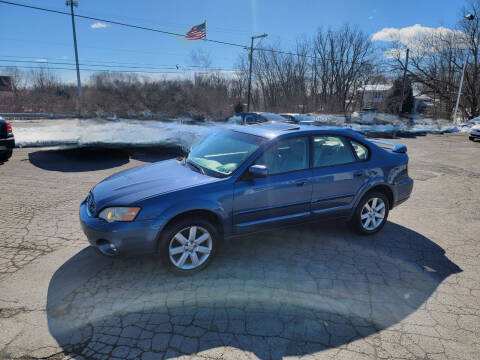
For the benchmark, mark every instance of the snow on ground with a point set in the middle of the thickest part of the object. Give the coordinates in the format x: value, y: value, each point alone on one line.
x: 140, y: 133
x: 89, y: 132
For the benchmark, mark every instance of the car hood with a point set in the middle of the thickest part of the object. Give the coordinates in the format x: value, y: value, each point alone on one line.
x: 130, y: 186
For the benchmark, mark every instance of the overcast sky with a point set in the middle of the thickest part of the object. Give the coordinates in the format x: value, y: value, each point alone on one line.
x: 37, y: 36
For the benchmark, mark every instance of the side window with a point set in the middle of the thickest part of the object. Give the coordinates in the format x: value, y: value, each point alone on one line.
x: 286, y: 155
x: 250, y: 119
x: 262, y: 119
x: 331, y: 150
x: 360, y: 150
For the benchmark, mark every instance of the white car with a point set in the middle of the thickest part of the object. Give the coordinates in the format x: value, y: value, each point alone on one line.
x: 470, y: 123
x: 474, y: 132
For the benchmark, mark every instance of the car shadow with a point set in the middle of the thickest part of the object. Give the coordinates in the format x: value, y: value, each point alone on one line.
x: 154, y: 154
x: 78, y: 160
x: 288, y: 292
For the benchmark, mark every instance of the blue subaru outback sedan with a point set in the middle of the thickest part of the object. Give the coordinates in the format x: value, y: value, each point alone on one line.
x: 243, y: 180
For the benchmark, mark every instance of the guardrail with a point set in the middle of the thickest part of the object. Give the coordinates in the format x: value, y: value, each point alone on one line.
x: 15, y: 116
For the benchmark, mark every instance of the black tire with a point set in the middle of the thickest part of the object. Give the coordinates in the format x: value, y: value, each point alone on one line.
x: 7, y: 154
x: 356, y: 221
x: 168, y: 234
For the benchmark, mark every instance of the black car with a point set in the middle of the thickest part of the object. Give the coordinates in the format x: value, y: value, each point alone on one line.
x: 7, y: 141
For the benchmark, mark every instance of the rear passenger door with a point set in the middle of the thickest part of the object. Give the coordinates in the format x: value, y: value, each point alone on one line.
x: 338, y: 173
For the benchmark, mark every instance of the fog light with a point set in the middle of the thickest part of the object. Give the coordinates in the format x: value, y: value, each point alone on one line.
x: 107, y: 248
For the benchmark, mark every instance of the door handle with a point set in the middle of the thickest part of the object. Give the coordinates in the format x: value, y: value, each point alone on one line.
x: 301, y: 182
x: 358, y: 173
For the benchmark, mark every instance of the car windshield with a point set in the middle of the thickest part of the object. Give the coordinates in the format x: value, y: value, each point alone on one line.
x: 221, y: 153
x: 237, y: 119
x: 272, y: 117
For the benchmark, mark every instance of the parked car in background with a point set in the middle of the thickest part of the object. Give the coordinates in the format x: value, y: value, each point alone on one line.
x: 251, y: 118
x: 474, y: 133
x: 244, y: 180
x: 470, y: 123
x: 7, y: 140
x: 192, y: 120
x: 300, y: 119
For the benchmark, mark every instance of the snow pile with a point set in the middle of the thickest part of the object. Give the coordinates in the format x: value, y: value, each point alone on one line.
x: 87, y: 133
x: 144, y: 133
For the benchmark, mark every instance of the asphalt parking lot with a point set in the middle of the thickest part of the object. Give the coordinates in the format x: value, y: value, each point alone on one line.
x: 410, y: 292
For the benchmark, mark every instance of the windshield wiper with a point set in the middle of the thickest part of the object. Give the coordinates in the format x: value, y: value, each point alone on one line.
x: 196, y: 166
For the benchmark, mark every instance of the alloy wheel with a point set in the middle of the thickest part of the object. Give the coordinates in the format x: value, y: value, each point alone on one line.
x: 373, y: 213
x: 190, y: 247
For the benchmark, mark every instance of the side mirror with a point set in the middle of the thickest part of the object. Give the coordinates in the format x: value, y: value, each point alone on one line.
x: 258, y: 171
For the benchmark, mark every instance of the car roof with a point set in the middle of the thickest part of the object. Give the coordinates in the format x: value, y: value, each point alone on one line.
x: 272, y: 130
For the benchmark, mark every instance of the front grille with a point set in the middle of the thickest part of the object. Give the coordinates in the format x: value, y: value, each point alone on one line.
x: 91, y: 205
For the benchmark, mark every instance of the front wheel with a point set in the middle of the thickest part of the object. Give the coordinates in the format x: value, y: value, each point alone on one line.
x: 188, y: 245
x: 371, y: 213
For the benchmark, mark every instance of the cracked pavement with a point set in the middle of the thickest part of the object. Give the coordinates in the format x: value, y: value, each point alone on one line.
x: 316, y: 292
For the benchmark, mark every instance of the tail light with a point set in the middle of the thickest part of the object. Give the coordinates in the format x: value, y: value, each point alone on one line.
x: 9, y: 127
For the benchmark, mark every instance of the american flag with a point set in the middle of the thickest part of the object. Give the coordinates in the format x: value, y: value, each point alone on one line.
x: 197, y: 32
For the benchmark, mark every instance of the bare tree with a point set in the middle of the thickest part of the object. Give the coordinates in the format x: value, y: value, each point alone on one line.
x: 201, y: 58
x: 437, y: 59
x: 345, y: 61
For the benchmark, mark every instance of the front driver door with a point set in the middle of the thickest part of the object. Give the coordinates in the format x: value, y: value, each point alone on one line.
x: 284, y: 195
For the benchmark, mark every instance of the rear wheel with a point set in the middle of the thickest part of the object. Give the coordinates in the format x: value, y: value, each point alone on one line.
x: 188, y: 245
x: 371, y: 213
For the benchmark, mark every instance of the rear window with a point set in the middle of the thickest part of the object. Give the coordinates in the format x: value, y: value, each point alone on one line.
x: 360, y: 150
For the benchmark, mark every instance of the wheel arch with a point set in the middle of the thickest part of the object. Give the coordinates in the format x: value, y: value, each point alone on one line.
x: 208, y: 215
x: 385, y: 189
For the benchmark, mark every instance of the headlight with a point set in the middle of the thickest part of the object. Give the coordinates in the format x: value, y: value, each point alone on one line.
x: 112, y: 214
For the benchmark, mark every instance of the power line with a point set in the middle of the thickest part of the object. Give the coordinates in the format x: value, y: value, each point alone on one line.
x: 39, y: 58
x: 157, y: 30
x: 114, y: 71
x: 115, y: 22
x: 166, y: 67
x: 95, y: 70
x: 43, y: 60
x: 83, y: 64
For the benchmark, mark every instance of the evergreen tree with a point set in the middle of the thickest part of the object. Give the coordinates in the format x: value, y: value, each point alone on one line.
x: 238, y: 108
x: 393, y: 98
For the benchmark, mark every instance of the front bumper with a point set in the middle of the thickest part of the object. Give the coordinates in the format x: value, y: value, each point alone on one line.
x: 8, y: 143
x: 475, y: 134
x: 129, y: 238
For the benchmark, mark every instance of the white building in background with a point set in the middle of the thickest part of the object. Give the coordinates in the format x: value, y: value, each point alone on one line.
x: 373, y: 95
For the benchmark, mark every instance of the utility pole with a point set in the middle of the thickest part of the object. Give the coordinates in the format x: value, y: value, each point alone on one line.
x: 315, y: 80
x: 469, y: 17
x: 400, y: 107
x: 459, y: 92
x: 250, y: 72
x: 73, y: 3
